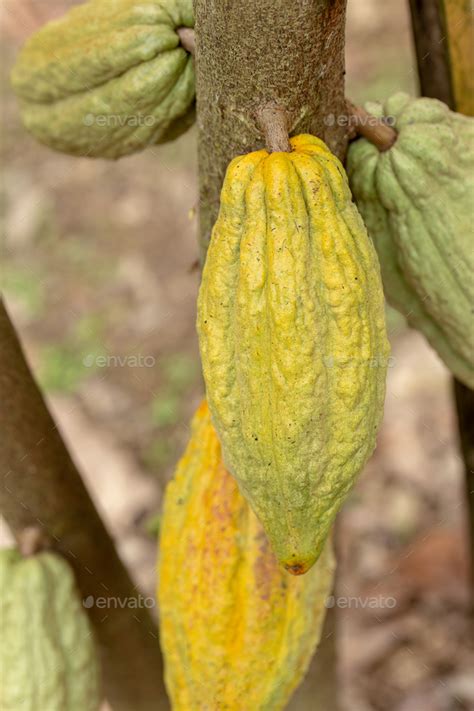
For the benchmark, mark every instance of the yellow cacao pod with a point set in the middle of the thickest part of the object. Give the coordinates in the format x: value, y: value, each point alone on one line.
x: 48, y: 658
x: 293, y: 342
x: 237, y: 631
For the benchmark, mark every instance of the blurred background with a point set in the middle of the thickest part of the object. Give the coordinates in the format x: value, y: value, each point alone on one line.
x: 100, y: 277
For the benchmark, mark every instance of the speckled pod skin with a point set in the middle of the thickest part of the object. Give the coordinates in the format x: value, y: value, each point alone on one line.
x: 48, y: 660
x: 417, y: 202
x: 108, y: 79
x: 293, y: 343
x: 237, y: 631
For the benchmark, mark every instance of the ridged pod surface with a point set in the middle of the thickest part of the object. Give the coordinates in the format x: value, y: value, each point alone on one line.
x: 237, y: 631
x: 293, y: 343
x: 417, y: 202
x: 108, y: 79
x: 47, y: 653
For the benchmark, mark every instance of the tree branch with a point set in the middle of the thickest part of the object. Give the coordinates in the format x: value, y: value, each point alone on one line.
x: 429, y: 37
x: 374, y: 130
x: 464, y: 399
x: 41, y: 487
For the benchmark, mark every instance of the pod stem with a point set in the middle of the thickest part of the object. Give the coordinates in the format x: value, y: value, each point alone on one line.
x: 273, y: 121
x: 187, y: 38
x: 32, y: 540
x: 372, y: 128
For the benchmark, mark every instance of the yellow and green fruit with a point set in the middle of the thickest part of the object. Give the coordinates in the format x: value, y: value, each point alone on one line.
x: 293, y: 341
x: 237, y: 630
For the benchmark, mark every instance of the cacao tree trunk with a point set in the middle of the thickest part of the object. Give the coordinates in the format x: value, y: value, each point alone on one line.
x: 443, y: 32
x: 431, y: 49
x: 282, y: 55
x: 318, y: 692
x: 464, y: 399
x: 253, y: 54
x: 41, y: 487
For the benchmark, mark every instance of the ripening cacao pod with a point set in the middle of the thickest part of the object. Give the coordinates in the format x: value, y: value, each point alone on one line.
x: 237, y: 631
x: 293, y: 342
x: 108, y: 79
x: 417, y: 200
x: 47, y: 653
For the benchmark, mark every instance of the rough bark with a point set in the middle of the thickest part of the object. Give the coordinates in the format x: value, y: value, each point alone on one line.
x: 464, y: 399
x: 431, y: 49
x: 253, y: 58
x: 253, y: 54
x: 41, y: 487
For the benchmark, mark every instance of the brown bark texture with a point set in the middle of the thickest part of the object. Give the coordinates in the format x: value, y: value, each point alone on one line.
x: 431, y: 47
x: 464, y: 399
x: 250, y: 55
x: 41, y: 488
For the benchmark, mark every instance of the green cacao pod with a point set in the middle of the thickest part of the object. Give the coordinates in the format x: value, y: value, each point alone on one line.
x: 293, y: 342
x: 417, y: 202
x: 47, y: 653
x: 108, y: 79
x: 237, y: 631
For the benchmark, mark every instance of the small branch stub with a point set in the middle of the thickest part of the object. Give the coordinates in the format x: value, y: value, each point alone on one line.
x: 372, y: 128
x: 32, y: 540
x: 187, y: 39
x: 274, y: 123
